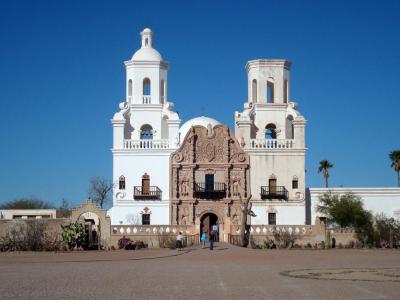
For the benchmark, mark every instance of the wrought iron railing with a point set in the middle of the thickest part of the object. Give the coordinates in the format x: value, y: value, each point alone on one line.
x: 209, y: 191
x: 151, y: 193
x: 274, y: 192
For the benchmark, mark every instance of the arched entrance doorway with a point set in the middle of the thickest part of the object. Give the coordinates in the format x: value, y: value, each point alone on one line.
x: 91, y: 222
x: 207, y: 221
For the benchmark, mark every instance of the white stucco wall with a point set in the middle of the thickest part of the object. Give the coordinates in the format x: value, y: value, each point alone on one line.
x: 286, y: 213
x: 377, y: 200
x: 284, y: 165
x: 132, y: 213
x: 133, y: 165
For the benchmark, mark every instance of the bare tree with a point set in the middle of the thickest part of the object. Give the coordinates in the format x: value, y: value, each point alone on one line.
x: 99, y: 190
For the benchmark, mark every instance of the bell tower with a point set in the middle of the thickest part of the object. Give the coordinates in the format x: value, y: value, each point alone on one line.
x: 272, y: 131
x: 145, y: 133
x: 146, y: 74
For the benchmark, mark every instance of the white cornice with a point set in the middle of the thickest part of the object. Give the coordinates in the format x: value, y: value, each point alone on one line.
x: 131, y: 63
x: 283, y: 152
x: 143, y: 152
x: 360, y: 191
x: 269, y: 63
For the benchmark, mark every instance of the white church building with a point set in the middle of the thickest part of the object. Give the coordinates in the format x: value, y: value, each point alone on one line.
x: 200, y: 172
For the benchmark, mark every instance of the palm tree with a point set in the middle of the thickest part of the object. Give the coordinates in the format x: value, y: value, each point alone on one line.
x: 395, y: 158
x: 324, y: 167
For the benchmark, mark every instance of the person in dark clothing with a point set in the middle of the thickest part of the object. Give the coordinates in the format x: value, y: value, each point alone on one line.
x: 212, y: 240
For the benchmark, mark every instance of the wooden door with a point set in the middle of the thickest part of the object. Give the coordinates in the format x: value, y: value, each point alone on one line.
x: 146, y: 184
x: 206, y: 226
x: 272, y: 186
x: 209, y: 185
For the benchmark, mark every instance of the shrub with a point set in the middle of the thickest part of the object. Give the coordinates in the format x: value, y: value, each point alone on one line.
x: 350, y: 244
x: 140, y: 245
x: 73, y: 235
x: 321, y: 245
x: 30, y: 236
x: 387, y: 229
x: 124, y: 242
x: 285, y: 239
x: 384, y: 244
x: 269, y: 244
x: 167, y: 241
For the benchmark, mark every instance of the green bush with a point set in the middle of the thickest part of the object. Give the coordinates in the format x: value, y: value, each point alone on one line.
x: 269, y: 244
x: 73, y: 235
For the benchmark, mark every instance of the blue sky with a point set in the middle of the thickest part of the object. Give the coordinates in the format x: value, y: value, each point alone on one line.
x: 62, y: 78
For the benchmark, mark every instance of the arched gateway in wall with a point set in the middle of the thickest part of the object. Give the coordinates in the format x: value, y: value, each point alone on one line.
x: 97, y: 224
x: 209, y: 179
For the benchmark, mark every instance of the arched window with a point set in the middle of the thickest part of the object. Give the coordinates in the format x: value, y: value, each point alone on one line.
x: 285, y: 91
x: 270, y: 131
x: 146, y: 132
x: 289, y: 127
x: 130, y: 88
x: 146, y: 87
x: 270, y: 92
x: 254, y: 90
x: 162, y: 91
x: 121, y: 182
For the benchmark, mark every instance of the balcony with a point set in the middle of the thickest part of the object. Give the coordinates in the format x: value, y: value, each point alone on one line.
x: 146, y: 144
x: 146, y: 99
x: 209, y: 191
x: 152, y: 193
x: 270, y: 144
x: 272, y: 193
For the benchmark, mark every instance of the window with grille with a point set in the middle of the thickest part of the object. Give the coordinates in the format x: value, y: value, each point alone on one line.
x: 272, y: 218
x: 146, y: 219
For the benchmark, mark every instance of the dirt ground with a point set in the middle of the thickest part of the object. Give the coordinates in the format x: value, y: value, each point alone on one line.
x: 228, y: 272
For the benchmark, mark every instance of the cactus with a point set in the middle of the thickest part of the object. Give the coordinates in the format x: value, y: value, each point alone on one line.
x: 73, y: 235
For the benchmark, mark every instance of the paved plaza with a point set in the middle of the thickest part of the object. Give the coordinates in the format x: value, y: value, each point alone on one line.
x: 228, y: 272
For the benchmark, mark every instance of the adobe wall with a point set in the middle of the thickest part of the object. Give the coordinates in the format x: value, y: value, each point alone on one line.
x: 53, y: 226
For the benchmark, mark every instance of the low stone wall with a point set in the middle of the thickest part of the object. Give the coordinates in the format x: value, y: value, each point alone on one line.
x: 153, y: 235
x: 304, y: 234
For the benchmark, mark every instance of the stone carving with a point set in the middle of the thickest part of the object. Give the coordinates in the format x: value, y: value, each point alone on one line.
x: 210, y: 151
x: 218, y: 146
x: 299, y: 195
x: 184, y: 188
x: 207, y: 151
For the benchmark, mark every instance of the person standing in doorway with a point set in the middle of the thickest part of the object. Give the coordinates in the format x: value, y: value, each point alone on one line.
x: 203, y: 239
x: 212, y: 240
x: 215, y: 230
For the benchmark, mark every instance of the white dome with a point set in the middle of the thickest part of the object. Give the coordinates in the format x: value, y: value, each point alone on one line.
x: 147, y: 53
x: 203, y: 121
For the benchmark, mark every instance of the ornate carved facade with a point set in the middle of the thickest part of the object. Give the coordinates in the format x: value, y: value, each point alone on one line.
x: 209, y: 174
